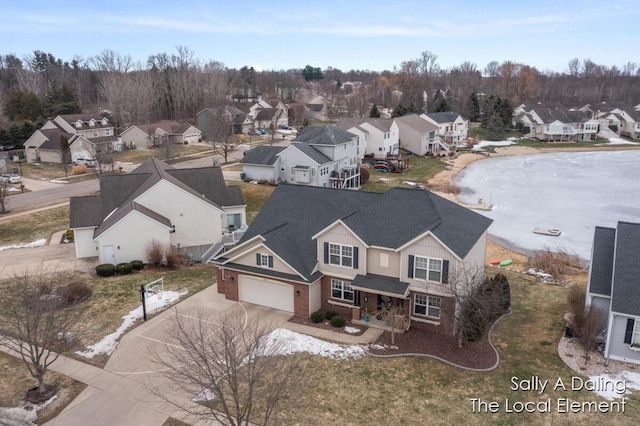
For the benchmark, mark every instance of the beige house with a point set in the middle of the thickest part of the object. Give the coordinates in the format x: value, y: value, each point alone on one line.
x: 143, y: 136
x: 133, y: 209
x: 313, y: 249
x: 419, y: 136
x: 453, y: 128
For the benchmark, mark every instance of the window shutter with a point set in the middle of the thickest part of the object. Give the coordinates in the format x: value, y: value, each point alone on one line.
x: 270, y: 261
x: 258, y: 259
x: 355, y: 258
x: 445, y: 271
x: 326, y: 252
x: 628, y: 334
x: 410, y: 266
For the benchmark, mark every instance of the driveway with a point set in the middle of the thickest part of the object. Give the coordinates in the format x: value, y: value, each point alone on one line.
x: 125, y: 391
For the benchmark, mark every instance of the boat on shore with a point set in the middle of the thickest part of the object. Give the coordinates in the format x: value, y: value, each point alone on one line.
x: 547, y: 231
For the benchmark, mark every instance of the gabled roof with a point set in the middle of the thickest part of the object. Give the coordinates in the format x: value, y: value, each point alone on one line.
x: 171, y: 127
x: 315, y: 107
x: 602, y: 261
x: 625, y: 290
x: 119, y: 192
x: 312, y: 153
x: 323, y: 135
x: 262, y: 155
x: 295, y: 213
x: 53, y: 138
x: 417, y: 123
x: 266, y: 113
x: 123, y: 211
x: 562, y: 114
x: 443, y: 117
x: 382, y: 124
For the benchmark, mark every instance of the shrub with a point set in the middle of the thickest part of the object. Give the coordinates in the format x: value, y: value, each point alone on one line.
x: 154, y: 252
x: 172, y: 258
x: 138, y: 265
x: 124, y: 268
x: 330, y: 314
x: 557, y: 263
x: 80, y: 169
x: 69, y: 235
x: 317, y: 317
x: 364, y: 175
x: 575, y: 300
x: 106, y: 269
x: 75, y: 292
x: 337, y: 321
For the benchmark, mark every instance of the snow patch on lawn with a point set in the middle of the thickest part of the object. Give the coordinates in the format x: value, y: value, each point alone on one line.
x: 619, y: 141
x: 482, y: 144
x: 25, y: 414
x: 631, y: 380
x: 352, y: 330
x: 108, y: 344
x: 37, y: 243
x: 286, y: 342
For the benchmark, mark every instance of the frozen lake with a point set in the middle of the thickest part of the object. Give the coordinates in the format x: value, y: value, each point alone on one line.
x: 573, y: 192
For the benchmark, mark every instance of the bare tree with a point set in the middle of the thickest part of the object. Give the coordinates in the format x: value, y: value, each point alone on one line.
x: 239, y: 373
x: 39, y: 318
x: 220, y: 134
x: 594, y: 320
x: 65, y: 156
x: 3, y: 197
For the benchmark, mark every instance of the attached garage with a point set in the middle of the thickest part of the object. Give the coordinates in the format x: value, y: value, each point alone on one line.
x: 263, y: 292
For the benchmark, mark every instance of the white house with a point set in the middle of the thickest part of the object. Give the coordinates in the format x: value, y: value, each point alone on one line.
x: 191, y: 210
x: 381, y: 135
x: 453, y: 127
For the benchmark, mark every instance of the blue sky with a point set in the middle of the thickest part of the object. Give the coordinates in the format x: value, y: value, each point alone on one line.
x: 371, y: 35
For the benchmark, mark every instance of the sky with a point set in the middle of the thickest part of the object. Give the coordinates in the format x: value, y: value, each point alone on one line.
x: 366, y: 35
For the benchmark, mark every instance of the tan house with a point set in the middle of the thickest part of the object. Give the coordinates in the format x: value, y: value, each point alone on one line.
x: 313, y: 249
x: 142, y: 136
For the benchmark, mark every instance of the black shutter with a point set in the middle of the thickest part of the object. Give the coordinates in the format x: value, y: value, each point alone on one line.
x: 355, y: 258
x: 628, y: 334
x: 410, y: 266
x: 270, y: 261
x: 326, y: 252
x: 258, y: 259
x: 445, y: 271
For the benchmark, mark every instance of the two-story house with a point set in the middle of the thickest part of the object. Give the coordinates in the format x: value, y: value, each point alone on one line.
x: 313, y: 249
x: 420, y: 136
x: 154, y: 134
x: 381, y: 135
x: 558, y: 124
x: 453, y: 127
x: 87, y: 135
x: 209, y: 120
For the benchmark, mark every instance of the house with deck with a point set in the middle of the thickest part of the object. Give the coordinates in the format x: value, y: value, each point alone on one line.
x: 381, y: 135
x: 189, y: 210
x: 420, y: 136
x: 613, y: 287
x: 453, y: 127
x: 313, y: 249
x: 558, y: 124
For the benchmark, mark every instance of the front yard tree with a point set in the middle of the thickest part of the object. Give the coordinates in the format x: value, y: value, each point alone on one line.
x: 3, y: 197
x: 220, y: 134
x: 374, y: 112
x: 39, y: 319
x: 241, y: 375
x: 473, y: 107
x: 65, y: 155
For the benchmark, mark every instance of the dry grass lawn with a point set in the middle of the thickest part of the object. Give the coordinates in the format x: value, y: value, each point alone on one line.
x: 37, y: 225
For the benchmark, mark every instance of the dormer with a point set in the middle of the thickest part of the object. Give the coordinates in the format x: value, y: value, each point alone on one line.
x: 78, y: 124
x: 104, y: 121
x: 92, y: 123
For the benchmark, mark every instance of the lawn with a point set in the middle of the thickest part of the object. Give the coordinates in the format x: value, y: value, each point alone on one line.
x: 412, y: 390
x: 421, y: 169
x: 37, y: 225
x: 254, y: 196
x: 138, y: 156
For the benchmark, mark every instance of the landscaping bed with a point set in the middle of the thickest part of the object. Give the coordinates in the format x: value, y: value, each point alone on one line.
x: 326, y: 325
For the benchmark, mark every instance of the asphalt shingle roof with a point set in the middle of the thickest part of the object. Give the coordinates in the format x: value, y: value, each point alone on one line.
x: 324, y: 135
x: 418, y: 123
x: 380, y: 283
x: 312, y: 153
x: 294, y: 214
x: 262, y: 155
x: 602, y: 260
x: 443, y: 117
x: 626, y: 285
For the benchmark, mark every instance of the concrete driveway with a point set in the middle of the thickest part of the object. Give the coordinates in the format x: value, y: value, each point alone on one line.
x: 55, y: 257
x: 126, y: 391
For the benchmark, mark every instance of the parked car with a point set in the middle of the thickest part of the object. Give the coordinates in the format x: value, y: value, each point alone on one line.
x: 254, y: 132
x: 285, y: 127
x: 89, y: 162
x: 10, y: 178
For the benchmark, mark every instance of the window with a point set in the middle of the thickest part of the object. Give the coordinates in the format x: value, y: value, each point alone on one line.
x: 95, y: 134
x: 341, y: 290
x: 428, y: 306
x: 107, y: 132
x: 340, y: 255
x: 427, y: 269
x: 264, y: 260
x: 234, y: 220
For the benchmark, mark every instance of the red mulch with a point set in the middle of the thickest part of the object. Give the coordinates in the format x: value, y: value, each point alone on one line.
x: 472, y: 354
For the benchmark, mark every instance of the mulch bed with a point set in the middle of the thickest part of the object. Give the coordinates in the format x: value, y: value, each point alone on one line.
x: 472, y: 354
x: 478, y: 355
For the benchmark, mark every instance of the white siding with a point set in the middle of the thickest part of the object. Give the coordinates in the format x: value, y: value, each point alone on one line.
x: 616, y: 348
x: 85, y: 246
x: 256, y: 172
x: 315, y: 297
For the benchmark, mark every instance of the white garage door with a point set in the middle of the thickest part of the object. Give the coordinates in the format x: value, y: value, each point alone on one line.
x: 265, y: 293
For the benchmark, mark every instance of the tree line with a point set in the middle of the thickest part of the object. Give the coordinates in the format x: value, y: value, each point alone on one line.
x: 176, y: 86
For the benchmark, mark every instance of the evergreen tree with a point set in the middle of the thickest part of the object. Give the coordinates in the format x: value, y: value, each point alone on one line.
x: 399, y: 111
x: 442, y: 105
x: 495, y: 128
x: 312, y: 73
x: 60, y: 100
x: 473, y: 107
x: 374, y: 113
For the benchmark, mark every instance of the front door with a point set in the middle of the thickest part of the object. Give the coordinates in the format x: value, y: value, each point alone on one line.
x: 109, y: 255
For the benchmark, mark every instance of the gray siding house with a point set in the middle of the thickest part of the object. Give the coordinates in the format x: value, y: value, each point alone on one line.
x: 614, y: 287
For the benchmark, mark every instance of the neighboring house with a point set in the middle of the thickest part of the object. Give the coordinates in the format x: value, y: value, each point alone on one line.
x: 419, y: 136
x: 313, y: 249
x: 323, y: 156
x: 558, y: 124
x: 188, y: 209
x: 143, y: 135
x: 613, y: 287
x: 625, y: 119
x: 381, y: 135
x: 265, y: 115
x: 262, y: 163
x: 453, y: 127
x: 238, y: 120
x: 317, y: 109
x: 87, y: 134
